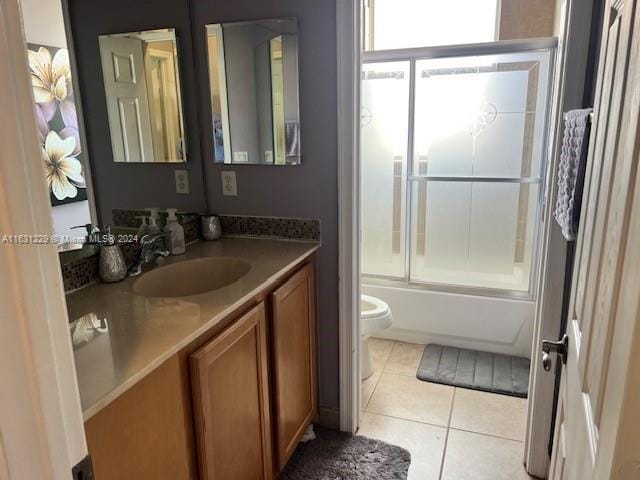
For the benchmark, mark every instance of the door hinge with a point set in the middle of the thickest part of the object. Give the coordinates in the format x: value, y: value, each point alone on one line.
x: 83, y: 470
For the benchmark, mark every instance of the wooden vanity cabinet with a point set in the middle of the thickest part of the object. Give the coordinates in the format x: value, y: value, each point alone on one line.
x: 255, y: 385
x: 142, y: 434
x: 293, y: 356
x: 230, y: 387
x: 246, y: 392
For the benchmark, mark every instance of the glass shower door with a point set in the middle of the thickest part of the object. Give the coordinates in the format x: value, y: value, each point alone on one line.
x: 384, y: 122
x: 479, y: 140
x: 453, y: 151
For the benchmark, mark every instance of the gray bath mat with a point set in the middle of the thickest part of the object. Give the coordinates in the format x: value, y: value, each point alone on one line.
x: 485, y: 371
x: 339, y: 456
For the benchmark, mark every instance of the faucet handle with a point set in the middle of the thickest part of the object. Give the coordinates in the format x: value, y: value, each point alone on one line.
x: 91, y: 231
x: 89, y: 227
x: 150, y: 238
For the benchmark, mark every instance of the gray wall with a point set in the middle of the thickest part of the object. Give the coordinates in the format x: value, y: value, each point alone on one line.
x: 309, y: 190
x: 134, y: 185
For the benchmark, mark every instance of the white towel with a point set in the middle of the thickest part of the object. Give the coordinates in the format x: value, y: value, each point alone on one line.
x: 292, y: 138
x: 571, y: 170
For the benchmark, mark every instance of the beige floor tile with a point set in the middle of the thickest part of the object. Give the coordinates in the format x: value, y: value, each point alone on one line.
x: 472, y: 456
x: 424, y: 442
x: 404, y: 359
x: 380, y: 349
x: 489, y: 413
x: 368, y: 386
x: 412, y: 399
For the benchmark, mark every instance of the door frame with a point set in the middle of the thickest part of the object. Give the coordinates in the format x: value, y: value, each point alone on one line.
x: 571, y: 70
x: 348, y: 40
x: 42, y: 425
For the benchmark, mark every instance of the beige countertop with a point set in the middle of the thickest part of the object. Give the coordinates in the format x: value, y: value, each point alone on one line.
x: 119, y: 337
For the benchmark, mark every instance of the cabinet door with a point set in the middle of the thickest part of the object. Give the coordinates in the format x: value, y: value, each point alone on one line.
x: 231, y: 402
x: 294, y: 361
x: 142, y: 434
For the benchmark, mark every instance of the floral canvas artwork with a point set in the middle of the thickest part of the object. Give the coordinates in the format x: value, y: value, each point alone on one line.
x: 57, y: 123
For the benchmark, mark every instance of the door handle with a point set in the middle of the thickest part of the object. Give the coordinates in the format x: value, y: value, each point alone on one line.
x: 561, y: 348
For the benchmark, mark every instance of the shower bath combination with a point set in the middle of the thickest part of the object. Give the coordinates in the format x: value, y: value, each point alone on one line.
x: 453, y: 157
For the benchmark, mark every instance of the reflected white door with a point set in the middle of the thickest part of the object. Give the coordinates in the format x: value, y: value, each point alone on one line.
x: 605, y: 288
x: 127, y: 102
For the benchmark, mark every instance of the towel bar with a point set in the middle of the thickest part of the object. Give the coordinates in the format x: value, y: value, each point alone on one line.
x: 564, y: 116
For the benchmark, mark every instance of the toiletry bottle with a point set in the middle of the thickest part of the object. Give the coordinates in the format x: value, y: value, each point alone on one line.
x: 143, y: 229
x: 175, y: 239
x: 154, y: 224
x: 211, y: 228
x: 111, y: 265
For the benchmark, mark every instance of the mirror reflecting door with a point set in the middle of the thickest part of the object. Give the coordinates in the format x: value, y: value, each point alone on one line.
x: 142, y: 88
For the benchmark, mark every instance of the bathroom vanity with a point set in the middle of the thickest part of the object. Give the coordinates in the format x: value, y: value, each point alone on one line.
x: 216, y: 384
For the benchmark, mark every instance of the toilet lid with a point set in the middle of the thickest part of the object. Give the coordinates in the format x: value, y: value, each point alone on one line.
x: 372, y: 307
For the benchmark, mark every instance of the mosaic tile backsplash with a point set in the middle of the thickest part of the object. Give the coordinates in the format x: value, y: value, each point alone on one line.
x: 84, y: 271
x: 272, y: 227
x: 80, y: 273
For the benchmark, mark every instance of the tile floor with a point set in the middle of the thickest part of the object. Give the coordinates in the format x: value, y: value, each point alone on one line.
x: 452, y: 433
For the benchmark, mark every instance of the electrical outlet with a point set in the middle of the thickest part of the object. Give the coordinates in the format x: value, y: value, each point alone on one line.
x: 182, y: 181
x: 268, y: 156
x: 240, y: 157
x: 229, y: 186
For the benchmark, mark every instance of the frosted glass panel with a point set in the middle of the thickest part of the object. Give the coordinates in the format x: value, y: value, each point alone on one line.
x: 474, y: 234
x: 481, y: 115
x: 473, y: 175
x: 385, y: 113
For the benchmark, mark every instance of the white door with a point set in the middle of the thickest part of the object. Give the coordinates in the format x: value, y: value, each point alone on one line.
x: 594, y: 380
x: 127, y: 103
x: 41, y: 427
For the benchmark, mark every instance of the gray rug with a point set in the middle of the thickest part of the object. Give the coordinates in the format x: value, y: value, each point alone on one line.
x: 339, y: 456
x: 476, y: 370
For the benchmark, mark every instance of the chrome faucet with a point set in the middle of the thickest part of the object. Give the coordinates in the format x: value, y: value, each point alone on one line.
x: 151, y: 248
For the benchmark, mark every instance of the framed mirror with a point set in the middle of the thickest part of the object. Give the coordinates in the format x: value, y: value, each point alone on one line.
x: 253, y: 77
x: 141, y: 78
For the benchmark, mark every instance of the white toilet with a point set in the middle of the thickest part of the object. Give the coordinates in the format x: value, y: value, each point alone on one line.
x: 375, y: 315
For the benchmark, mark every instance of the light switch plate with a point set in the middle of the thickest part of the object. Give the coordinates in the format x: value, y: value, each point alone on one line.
x: 229, y: 186
x: 182, y: 181
x: 240, y: 157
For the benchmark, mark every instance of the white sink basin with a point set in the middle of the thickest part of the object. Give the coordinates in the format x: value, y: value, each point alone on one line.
x: 191, y: 277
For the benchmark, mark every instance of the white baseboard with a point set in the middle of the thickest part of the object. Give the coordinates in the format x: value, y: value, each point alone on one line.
x: 328, y: 418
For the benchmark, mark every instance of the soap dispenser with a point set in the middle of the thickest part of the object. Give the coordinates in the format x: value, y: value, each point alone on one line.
x: 143, y: 229
x: 175, y: 239
x: 154, y: 224
x: 111, y: 266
